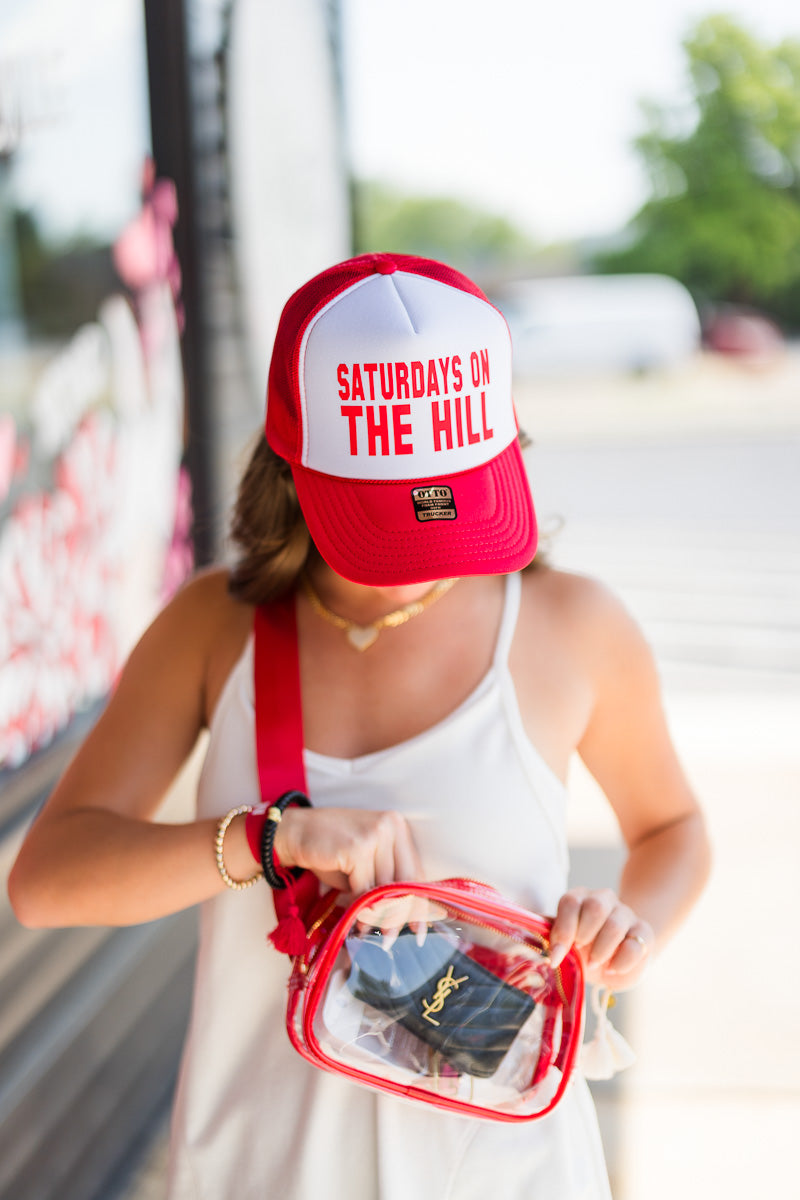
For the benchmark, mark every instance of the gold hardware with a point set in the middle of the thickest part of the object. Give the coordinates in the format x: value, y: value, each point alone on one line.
x: 302, y: 961
x: 540, y: 942
x: 444, y: 987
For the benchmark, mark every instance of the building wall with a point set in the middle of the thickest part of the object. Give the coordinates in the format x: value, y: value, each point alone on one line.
x: 137, y: 306
x: 287, y: 202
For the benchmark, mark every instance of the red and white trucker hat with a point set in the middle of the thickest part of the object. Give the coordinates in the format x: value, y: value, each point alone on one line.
x: 390, y: 396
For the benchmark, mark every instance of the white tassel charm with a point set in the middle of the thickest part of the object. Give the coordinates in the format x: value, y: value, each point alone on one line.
x: 607, y: 1052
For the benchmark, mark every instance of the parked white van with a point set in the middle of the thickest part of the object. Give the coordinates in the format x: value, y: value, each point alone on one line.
x: 599, y: 323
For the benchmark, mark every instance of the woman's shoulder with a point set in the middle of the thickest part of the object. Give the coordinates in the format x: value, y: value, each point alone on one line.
x: 204, y: 606
x: 585, y: 609
x: 544, y: 584
x: 200, y: 632
x: 193, y: 620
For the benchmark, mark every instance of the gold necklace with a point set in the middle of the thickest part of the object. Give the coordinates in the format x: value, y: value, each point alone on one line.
x: 363, y: 636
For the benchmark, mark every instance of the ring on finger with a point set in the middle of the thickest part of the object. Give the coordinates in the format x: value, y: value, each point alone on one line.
x: 634, y: 937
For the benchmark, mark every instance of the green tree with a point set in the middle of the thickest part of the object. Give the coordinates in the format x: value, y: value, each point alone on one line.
x: 724, y: 215
x: 61, y: 283
x: 477, y: 242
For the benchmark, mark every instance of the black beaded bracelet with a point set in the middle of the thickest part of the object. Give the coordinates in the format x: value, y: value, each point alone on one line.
x: 274, y: 815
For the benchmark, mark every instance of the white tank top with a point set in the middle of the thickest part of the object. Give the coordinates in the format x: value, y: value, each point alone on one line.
x: 251, y: 1118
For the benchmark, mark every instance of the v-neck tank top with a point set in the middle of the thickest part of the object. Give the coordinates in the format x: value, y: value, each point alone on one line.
x: 251, y: 1118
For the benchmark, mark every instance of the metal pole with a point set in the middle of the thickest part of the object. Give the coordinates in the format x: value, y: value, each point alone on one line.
x: 171, y: 131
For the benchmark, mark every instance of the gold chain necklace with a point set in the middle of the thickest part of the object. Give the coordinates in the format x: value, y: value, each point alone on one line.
x: 363, y: 636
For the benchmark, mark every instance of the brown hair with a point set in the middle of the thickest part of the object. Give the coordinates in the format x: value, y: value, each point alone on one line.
x: 269, y: 529
x: 540, y: 557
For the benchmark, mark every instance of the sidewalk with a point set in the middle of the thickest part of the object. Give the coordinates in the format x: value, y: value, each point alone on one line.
x: 708, y: 393
x: 712, y: 1106
x: 149, y: 1180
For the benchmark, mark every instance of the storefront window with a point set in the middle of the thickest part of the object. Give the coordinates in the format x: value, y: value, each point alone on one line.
x: 94, y: 510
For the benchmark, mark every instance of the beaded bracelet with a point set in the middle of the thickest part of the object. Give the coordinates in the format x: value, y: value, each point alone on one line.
x: 238, y: 885
x: 273, y: 819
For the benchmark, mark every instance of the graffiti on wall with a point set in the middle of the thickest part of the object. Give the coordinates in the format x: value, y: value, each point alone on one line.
x: 98, y: 512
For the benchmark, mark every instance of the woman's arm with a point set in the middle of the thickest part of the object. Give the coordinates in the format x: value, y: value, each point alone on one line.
x: 96, y: 856
x: 627, y: 747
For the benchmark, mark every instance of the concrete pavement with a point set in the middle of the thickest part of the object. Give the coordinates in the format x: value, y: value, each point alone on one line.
x: 704, y: 546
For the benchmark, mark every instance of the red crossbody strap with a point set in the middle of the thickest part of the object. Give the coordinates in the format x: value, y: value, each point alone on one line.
x: 279, y: 749
x: 278, y: 706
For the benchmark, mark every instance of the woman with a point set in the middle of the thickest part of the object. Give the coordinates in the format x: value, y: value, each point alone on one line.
x: 443, y: 696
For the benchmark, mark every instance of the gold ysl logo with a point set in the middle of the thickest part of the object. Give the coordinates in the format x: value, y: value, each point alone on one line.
x: 444, y: 987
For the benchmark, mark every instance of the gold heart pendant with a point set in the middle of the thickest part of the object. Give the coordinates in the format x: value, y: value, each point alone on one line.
x: 362, y: 636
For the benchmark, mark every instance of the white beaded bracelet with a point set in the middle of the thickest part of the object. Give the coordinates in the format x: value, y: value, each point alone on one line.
x: 238, y: 885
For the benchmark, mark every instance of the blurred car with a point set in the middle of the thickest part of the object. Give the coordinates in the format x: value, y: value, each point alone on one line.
x: 742, y: 332
x: 588, y: 323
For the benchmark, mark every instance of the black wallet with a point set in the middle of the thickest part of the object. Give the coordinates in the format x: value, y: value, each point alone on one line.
x: 446, y: 999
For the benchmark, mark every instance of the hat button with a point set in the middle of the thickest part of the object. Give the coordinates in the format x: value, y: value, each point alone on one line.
x: 385, y: 265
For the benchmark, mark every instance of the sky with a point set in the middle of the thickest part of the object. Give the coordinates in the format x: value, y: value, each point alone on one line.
x: 526, y: 107
x: 82, y: 88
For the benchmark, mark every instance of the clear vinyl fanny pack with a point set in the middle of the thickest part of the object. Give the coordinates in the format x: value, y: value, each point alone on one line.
x: 440, y: 992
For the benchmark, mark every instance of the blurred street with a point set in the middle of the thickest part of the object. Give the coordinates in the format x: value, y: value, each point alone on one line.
x: 683, y: 493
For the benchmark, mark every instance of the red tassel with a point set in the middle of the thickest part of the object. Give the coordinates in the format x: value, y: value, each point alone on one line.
x: 293, y: 907
x: 289, y: 935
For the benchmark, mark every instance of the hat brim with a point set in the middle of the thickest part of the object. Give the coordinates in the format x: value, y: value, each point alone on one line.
x: 370, y: 532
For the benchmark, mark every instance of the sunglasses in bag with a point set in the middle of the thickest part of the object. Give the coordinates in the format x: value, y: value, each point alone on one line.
x: 442, y: 993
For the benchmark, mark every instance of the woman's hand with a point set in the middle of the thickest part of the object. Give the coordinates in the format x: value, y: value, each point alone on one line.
x: 614, y: 944
x: 350, y: 849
